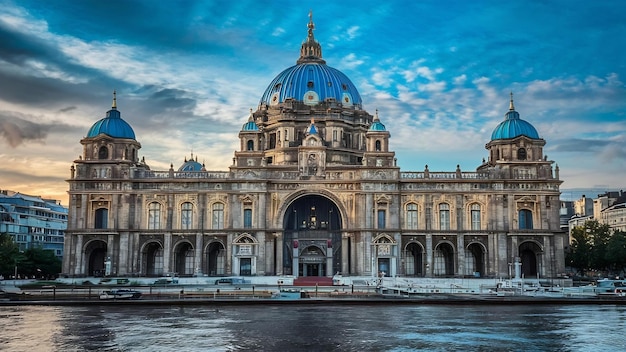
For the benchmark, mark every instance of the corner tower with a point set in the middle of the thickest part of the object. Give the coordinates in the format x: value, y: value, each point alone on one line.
x: 516, y: 150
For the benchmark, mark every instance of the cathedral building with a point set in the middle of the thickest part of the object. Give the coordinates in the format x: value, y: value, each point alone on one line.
x: 313, y: 190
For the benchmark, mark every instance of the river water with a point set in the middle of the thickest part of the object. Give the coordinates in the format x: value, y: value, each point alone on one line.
x: 314, y: 328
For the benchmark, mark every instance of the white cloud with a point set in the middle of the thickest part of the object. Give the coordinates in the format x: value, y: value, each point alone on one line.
x: 278, y: 31
x: 352, y: 32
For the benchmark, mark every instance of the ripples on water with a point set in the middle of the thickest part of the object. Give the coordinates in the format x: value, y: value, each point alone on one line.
x: 313, y: 328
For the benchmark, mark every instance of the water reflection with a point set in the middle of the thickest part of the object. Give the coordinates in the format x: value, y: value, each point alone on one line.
x: 313, y: 328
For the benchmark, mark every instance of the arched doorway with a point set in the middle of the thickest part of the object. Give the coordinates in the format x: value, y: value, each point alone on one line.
x: 216, y: 256
x: 385, y: 251
x: 184, y: 259
x: 152, y: 259
x: 312, y: 261
x: 444, y: 260
x: 414, y: 259
x: 95, y: 255
x: 475, y: 260
x: 312, y: 224
x: 245, y: 252
x: 529, y: 253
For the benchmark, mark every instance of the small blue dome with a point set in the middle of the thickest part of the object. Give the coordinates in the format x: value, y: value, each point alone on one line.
x: 376, y: 125
x: 513, y: 126
x: 250, y: 126
x: 112, y: 125
x: 191, y: 165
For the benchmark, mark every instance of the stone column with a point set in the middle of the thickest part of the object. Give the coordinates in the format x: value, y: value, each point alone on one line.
x: 429, y: 255
x: 345, y: 265
x: 278, y: 261
x: 167, y: 252
x: 460, y: 245
x: 123, y: 267
x: 296, y: 259
x: 329, y: 259
x: 79, y: 264
x: 259, y: 257
x: 198, y: 256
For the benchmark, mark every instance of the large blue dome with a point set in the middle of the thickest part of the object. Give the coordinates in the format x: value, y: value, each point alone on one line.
x: 311, y: 81
x: 513, y: 126
x: 112, y: 125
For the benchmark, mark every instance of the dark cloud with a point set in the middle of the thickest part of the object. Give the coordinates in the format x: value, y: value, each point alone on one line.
x: 17, y: 130
x: 576, y: 145
x: 69, y: 108
x: 172, y: 99
x: 30, y: 177
x: 56, y: 94
x: 17, y: 47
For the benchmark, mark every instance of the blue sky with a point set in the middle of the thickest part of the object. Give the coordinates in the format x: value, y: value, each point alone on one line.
x: 188, y: 72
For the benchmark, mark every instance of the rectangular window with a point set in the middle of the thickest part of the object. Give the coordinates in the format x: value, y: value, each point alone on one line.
x: 218, y: 216
x: 186, y: 216
x: 247, y: 218
x: 475, y: 213
x: 102, y: 216
x: 154, y: 216
x: 411, y: 216
x: 444, y: 216
x: 525, y: 219
x: 381, y: 218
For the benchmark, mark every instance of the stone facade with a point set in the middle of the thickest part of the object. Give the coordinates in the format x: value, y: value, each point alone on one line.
x: 314, y: 190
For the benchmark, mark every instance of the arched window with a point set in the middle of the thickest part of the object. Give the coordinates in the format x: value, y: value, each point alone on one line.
x: 411, y: 216
x: 378, y: 147
x: 250, y: 145
x: 521, y: 154
x: 103, y: 152
x: 525, y: 219
x: 444, y: 216
x: 475, y: 216
x: 154, y: 216
x: 218, y: 216
x: 102, y: 218
x: 186, y: 216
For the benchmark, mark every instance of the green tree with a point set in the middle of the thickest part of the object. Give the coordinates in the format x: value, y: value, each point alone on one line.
x: 616, y: 251
x: 579, y: 254
x: 40, y: 262
x: 10, y: 255
x: 600, y: 235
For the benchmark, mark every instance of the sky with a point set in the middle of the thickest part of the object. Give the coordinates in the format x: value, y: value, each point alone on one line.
x: 187, y: 74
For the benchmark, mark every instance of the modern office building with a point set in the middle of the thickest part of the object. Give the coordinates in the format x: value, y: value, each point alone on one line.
x: 32, y: 221
x: 313, y: 190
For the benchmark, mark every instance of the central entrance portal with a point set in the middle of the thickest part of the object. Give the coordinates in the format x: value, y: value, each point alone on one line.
x: 312, y: 237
